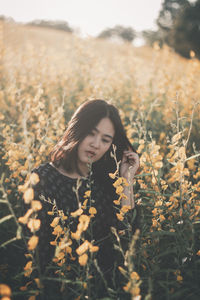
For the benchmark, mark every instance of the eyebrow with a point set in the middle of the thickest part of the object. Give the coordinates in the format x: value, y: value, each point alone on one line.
x: 106, y: 135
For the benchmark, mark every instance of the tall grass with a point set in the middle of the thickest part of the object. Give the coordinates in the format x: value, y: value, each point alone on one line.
x: 45, y: 75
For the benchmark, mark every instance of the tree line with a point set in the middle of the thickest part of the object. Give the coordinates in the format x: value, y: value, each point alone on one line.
x: 178, y: 27
x: 178, y: 24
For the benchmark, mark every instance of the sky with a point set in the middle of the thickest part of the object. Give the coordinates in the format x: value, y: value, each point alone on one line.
x: 89, y: 16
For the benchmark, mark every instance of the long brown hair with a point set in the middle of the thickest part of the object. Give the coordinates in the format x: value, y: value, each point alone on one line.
x: 83, y: 121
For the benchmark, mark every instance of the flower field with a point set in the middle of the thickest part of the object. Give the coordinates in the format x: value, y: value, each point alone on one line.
x: 44, y: 76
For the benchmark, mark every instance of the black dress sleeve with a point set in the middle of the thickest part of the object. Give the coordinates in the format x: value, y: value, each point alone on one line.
x: 44, y: 251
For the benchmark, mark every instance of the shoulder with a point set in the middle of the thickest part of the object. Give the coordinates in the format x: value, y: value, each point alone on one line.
x: 42, y: 169
x: 49, y: 175
x: 48, y: 180
x: 46, y: 173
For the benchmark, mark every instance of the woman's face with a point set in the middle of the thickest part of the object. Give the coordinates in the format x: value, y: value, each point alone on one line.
x: 96, y: 143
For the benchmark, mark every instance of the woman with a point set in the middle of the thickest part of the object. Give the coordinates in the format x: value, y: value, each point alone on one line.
x: 83, y: 155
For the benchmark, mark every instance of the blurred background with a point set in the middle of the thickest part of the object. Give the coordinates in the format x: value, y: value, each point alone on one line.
x: 172, y: 22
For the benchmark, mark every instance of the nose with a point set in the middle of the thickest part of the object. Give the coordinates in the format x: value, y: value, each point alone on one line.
x: 95, y: 142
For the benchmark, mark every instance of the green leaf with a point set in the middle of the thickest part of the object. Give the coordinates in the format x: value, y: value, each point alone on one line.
x: 8, y: 242
x: 3, y: 201
x: 143, y: 175
x: 5, y: 218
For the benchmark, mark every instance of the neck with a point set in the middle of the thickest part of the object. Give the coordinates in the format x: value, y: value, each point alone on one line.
x: 64, y: 172
x: 84, y: 169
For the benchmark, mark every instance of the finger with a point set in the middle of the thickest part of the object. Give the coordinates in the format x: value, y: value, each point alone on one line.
x: 128, y: 151
x: 133, y: 160
x: 124, y: 158
x: 131, y: 157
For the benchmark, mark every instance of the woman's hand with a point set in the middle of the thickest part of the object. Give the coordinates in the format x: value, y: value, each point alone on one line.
x: 129, y: 165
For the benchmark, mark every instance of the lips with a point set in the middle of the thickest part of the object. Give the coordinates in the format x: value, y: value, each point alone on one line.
x: 90, y: 153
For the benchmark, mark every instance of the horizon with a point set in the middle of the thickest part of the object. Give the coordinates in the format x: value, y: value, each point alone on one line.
x: 90, y: 18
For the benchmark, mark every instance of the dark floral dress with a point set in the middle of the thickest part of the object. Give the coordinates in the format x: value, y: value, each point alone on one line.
x: 57, y: 187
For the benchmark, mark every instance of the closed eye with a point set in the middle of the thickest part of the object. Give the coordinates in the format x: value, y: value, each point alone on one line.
x: 106, y: 141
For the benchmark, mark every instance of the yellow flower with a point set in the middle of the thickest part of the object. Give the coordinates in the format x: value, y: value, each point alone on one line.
x: 76, y: 235
x: 118, y: 182
x: 158, y: 164
x: 34, y: 178
x: 77, y: 213
x: 176, y: 137
x: 69, y: 250
x: 135, y: 276
x: 87, y: 194
x: 192, y: 54
x: 82, y: 248
x: 155, y: 223
x: 32, y: 243
x: 116, y: 202
x: 50, y: 213
x: 135, y: 291
x: 140, y: 148
x: 158, y: 203
x: 53, y: 243
x: 197, y: 175
x: 83, y: 259
x: 144, y: 267
x: 42, y: 149
x: 120, y: 217
x: 34, y: 224
x: 179, y: 278
x: 39, y: 285
x: 92, y: 210
x: 93, y: 248
x: 162, y: 218
x: 24, y: 288
x: 125, y: 182
x: 122, y: 270
x: 198, y: 253
x: 113, y: 175
x: 22, y: 188
x: 127, y: 287
x: 122, y: 232
x: 119, y: 189
x: 162, y: 135
x: 36, y: 205
x: 191, y: 164
x: 57, y: 230
x: 154, y: 211
x: 84, y: 204
x: 55, y: 222
x: 25, y: 218
x: 28, y: 195
x: 28, y: 255
x: 5, y: 290
x: 123, y: 196
x: 1, y: 116
x: 60, y: 255
x: 28, y: 269
x: 85, y: 285
x: 181, y: 152
x: 84, y: 222
x: 32, y: 298
x: 125, y: 208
